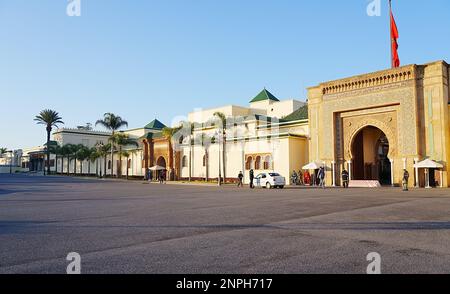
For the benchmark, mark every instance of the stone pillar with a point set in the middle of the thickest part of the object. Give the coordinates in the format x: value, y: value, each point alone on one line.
x: 333, y: 167
x: 392, y: 172
x: 349, y: 170
x: 441, y: 181
x: 416, y: 174
x: 427, y: 178
x: 405, y: 160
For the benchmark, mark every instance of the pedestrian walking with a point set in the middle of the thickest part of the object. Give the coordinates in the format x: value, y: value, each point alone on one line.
x: 252, y: 176
x: 321, y: 176
x: 240, y: 179
x: 300, y: 178
x: 345, y: 178
x: 405, y: 180
x: 307, y: 177
x: 294, y: 178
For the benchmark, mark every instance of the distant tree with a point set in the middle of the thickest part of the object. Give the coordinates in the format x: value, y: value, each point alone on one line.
x: 121, y: 140
x: 50, y: 119
x: 3, y: 151
x: 82, y: 154
x: 169, y: 134
x: 223, y: 124
x: 112, y: 123
x: 93, y: 157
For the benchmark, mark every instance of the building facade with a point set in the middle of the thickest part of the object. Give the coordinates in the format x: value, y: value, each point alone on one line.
x: 374, y: 125
x: 379, y: 124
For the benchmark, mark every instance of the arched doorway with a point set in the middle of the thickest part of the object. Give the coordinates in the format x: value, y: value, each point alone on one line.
x: 370, y: 149
x: 161, y: 161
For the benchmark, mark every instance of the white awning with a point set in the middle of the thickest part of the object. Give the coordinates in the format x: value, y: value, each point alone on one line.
x: 428, y: 163
x: 157, y: 167
x: 312, y: 165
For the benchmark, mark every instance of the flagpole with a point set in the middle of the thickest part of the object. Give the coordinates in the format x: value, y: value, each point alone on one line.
x: 390, y: 32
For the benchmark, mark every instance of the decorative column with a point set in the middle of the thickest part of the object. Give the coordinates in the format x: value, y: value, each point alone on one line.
x: 333, y: 167
x: 392, y: 172
x: 404, y: 163
x: 349, y: 170
x: 427, y: 178
x: 416, y: 172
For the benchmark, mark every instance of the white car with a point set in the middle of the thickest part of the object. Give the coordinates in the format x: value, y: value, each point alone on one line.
x: 269, y: 180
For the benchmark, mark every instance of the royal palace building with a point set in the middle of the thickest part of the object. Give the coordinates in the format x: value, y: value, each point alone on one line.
x: 374, y: 125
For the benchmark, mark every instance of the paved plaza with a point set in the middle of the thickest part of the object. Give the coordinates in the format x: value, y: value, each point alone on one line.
x: 136, y: 227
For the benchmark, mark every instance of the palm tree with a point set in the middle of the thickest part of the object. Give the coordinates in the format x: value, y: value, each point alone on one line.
x: 191, y: 127
x: 221, y: 116
x: 57, y: 150
x: 103, y: 151
x: 169, y: 134
x: 50, y: 119
x: 113, y: 123
x: 126, y: 154
x: 206, y: 143
x: 3, y: 151
x: 94, y: 155
x: 67, y: 151
x: 81, y: 154
x: 121, y: 140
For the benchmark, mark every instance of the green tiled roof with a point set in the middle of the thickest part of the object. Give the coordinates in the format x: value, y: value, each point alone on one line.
x: 299, y: 114
x: 155, y: 125
x: 264, y: 95
x: 52, y: 143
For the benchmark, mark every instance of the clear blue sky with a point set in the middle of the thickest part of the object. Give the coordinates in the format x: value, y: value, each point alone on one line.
x: 146, y: 59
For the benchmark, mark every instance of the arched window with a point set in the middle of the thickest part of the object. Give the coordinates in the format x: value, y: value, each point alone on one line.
x: 184, y: 161
x: 258, y: 163
x: 129, y: 163
x: 249, y: 163
x: 204, y: 160
x: 268, y: 162
x: 109, y: 164
x: 180, y: 141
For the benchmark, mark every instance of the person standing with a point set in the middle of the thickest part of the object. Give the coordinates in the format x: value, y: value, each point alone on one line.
x: 240, y: 179
x: 405, y: 180
x: 294, y: 178
x: 345, y: 177
x: 321, y: 176
x: 252, y: 176
x: 307, y: 176
x: 300, y: 178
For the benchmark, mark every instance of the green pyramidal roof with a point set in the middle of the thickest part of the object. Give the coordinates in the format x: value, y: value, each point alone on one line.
x: 264, y: 95
x: 299, y: 114
x: 155, y: 125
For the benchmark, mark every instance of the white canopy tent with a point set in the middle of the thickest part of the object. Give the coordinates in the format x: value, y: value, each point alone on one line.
x: 428, y: 164
x: 313, y: 166
x: 157, y: 168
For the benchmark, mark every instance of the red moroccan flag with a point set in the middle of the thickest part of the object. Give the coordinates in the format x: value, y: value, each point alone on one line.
x: 394, y: 38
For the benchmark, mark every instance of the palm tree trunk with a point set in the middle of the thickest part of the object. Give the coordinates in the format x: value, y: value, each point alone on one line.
x: 49, y: 129
x: 96, y: 167
x: 75, y: 167
x: 68, y: 164
x: 127, y: 168
x: 89, y: 167
x: 104, y: 166
x: 119, y: 165
x: 190, y: 159
x: 223, y: 158
x: 56, y: 163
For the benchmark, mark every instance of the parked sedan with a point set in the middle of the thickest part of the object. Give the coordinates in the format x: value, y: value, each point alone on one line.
x: 269, y: 180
